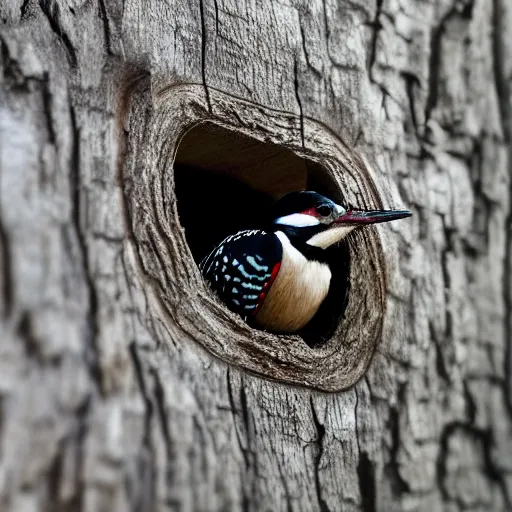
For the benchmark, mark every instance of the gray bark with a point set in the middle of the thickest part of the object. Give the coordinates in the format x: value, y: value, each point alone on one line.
x: 109, y: 400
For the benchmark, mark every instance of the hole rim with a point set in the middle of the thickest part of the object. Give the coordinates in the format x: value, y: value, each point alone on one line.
x: 148, y: 185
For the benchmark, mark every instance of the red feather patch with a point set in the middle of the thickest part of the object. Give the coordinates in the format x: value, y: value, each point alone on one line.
x: 267, y: 286
x: 312, y: 212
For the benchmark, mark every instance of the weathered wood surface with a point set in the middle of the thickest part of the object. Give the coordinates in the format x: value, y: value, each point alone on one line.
x: 106, y: 405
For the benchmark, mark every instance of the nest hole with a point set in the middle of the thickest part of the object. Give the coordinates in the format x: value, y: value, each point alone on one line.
x: 226, y: 182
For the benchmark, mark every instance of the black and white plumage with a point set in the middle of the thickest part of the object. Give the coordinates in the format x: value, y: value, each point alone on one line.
x: 242, y: 267
x: 278, y: 277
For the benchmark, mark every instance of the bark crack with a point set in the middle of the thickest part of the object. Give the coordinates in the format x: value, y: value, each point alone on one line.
x: 299, y: 102
x: 162, y: 413
x: 436, y: 41
x: 47, y: 105
x: 376, y: 27
x: 434, y: 62
x: 251, y: 452
x: 91, y: 345
x: 30, y: 340
x: 447, y: 279
x: 203, y: 54
x: 83, y: 428
x: 412, y: 81
x: 106, y: 25
x: 398, y: 484
x: 146, y: 468
x: 23, y: 8
x: 234, y: 411
x: 51, y: 10
x: 366, y: 477
x: 245, y: 450
x: 365, y: 470
x: 504, y: 92
x: 306, y: 54
x: 139, y: 374
x: 6, y: 283
x: 441, y: 367
x: 216, y: 7
x: 319, y: 443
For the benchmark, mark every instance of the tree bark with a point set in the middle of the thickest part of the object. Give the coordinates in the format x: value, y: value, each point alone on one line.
x: 109, y: 403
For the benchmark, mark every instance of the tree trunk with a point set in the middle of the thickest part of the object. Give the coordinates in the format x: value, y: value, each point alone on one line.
x: 124, y: 384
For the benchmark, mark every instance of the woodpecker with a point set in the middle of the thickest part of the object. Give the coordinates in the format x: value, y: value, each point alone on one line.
x: 279, y: 276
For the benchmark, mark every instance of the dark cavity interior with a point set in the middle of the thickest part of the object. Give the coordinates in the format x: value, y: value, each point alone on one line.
x: 226, y: 182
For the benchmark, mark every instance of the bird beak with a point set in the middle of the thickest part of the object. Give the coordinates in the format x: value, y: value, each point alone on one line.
x: 359, y: 217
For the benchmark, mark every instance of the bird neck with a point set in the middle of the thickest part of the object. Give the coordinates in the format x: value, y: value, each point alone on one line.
x: 298, y: 238
x: 331, y: 236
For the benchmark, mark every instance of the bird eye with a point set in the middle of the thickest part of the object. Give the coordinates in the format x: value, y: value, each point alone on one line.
x: 324, y: 210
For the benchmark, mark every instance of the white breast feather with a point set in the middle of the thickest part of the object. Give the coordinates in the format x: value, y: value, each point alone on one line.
x: 295, y: 296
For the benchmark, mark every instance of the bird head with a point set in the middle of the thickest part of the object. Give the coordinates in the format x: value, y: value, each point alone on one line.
x: 314, y: 219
